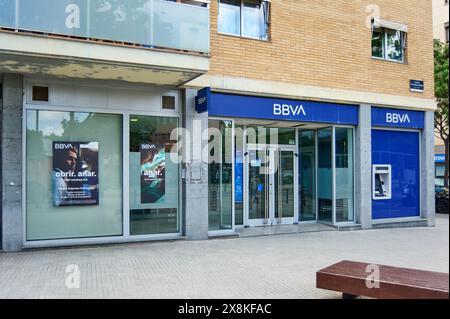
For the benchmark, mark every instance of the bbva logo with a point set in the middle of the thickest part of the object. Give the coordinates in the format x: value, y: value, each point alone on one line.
x: 288, y: 110
x: 397, y: 118
x: 62, y: 146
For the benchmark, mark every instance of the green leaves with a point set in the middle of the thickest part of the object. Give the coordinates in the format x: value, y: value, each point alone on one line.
x: 441, y: 71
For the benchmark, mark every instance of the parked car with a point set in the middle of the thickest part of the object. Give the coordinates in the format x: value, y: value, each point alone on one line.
x: 441, y: 200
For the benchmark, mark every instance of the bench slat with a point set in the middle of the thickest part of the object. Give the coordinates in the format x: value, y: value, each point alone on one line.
x: 350, y: 278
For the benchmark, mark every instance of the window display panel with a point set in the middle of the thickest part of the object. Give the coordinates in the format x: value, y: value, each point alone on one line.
x: 73, y: 175
x: 325, y: 174
x: 220, y: 178
x: 154, y: 176
x: 239, y: 176
x: 307, y: 176
x: 344, y: 175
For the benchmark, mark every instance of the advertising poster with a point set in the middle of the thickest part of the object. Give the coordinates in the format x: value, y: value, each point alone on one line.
x: 75, y: 174
x: 153, y: 173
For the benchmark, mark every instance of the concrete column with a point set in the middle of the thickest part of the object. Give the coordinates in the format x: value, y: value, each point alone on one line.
x: 11, y: 162
x: 427, y: 174
x: 364, y: 167
x: 195, y: 183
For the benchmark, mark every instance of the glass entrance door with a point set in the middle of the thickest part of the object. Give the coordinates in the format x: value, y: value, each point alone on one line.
x: 271, y: 186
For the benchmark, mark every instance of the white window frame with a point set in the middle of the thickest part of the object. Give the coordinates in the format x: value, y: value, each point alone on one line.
x: 384, y: 27
x: 241, y: 27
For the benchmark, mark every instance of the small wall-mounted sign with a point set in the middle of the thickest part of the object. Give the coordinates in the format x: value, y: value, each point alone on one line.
x: 416, y: 86
x: 439, y: 158
x: 202, y: 100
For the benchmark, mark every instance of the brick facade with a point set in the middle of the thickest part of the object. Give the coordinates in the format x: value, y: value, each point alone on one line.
x: 328, y: 44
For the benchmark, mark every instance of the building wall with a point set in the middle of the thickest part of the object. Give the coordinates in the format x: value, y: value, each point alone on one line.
x: 440, y: 18
x: 328, y: 44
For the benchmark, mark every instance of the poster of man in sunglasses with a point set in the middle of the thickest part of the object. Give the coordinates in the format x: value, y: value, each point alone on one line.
x: 75, y: 174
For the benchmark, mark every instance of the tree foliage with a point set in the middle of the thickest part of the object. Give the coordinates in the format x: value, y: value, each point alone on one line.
x: 441, y: 71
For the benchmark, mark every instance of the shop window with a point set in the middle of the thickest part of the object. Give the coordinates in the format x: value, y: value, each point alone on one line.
x: 307, y: 175
x: 344, y: 174
x: 325, y: 174
x: 220, y: 179
x: 154, y: 176
x: 239, y: 176
x: 73, y: 175
x: 388, y: 44
x: 246, y: 18
x: 40, y: 94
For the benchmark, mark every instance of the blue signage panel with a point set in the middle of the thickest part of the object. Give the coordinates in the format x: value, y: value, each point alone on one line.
x: 416, y: 86
x: 239, y: 183
x: 397, y: 118
x: 401, y: 151
x: 202, y: 100
x: 439, y: 158
x: 229, y: 105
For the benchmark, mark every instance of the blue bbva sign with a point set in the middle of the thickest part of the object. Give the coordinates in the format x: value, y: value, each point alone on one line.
x: 241, y: 106
x: 397, y: 118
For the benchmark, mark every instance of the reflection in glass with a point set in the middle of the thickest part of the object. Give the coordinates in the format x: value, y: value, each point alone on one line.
x: 325, y: 175
x: 229, y: 20
x: 284, y: 184
x: 344, y: 175
x: 44, y: 219
x: 258, y: 185
x: 220, y: 185
x: 239, y: 176
x: 378, y: 44
x: 307, y: 189
x: 254, y: 19
x: 394, y: 45
x: 154, y: 176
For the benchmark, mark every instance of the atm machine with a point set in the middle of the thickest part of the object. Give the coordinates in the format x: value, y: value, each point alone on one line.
x: 382, y: 182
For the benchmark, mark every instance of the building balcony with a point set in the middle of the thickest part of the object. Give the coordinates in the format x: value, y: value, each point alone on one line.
x: 146, y: 41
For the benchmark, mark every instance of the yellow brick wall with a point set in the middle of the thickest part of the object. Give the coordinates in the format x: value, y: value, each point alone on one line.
x: 327, y: 43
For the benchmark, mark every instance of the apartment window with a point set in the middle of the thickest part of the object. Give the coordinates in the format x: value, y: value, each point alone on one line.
x: 388, y: 40
x: 388, y: 44
x: 246, y: 18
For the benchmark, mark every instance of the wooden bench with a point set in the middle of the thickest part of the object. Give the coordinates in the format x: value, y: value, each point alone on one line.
x: 350, y: 278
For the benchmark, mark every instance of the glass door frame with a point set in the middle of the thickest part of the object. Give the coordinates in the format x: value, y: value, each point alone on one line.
x: 333, y: 150
x: 233, y: 179
x: 272, y: 219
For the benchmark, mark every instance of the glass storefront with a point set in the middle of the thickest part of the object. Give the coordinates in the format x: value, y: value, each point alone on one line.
x: 220, y: 175
x: 307, y: 175
x: 75, y: 181
x: 335, y: 204
x: 344, y: 174
x: 239, y: 176
x: 73, y: 175
x: 308, y: 178
x: 154, y: 176
x: 75, y: 163
x: 325, y: 174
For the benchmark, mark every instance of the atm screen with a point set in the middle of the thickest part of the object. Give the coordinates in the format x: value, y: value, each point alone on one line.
x: 379, y: 189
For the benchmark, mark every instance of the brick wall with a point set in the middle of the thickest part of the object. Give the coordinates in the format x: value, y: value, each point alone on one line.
x: 327, y: 43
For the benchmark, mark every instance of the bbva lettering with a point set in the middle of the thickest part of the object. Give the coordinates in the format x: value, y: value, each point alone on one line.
x: 288, y: 110
x: 148, y: 146
x: 202, y: 100
x: 63, y: 146
x: 396, y: 118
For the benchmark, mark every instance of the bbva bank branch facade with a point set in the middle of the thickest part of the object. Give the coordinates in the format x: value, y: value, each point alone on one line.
x: 110, y: 173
